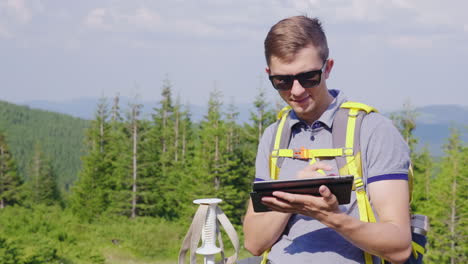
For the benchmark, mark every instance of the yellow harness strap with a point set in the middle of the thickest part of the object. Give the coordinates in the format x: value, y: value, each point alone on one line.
x: 365, y: 210
x: 304, y: 153
x: 417, y: 249
x: 282, y: 115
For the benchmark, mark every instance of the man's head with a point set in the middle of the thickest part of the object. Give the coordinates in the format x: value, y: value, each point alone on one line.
x: 298, y: 65
x: 287, y: 37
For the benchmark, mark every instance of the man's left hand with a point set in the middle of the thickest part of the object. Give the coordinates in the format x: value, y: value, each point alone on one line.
x: 320, y: 208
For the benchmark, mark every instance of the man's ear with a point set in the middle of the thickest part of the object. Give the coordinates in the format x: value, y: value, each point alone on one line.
x: 267, y: 70
x: 330, y: 63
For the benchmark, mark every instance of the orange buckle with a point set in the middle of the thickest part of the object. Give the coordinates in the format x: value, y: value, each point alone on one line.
x: 301, y: 153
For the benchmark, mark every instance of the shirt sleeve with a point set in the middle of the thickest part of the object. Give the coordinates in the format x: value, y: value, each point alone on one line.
x: 262, y: 162
x: 386, y: 153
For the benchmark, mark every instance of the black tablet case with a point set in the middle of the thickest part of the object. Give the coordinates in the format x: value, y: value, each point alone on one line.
x: 340, y: 186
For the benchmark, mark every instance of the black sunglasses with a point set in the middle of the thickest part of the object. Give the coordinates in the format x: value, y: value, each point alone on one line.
x: 306, y: 79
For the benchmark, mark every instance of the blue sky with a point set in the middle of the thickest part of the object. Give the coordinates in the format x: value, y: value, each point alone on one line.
x: 386, y: 51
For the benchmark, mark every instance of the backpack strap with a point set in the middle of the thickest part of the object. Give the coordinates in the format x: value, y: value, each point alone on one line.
x: 346, y: 133
x: 280, y: 141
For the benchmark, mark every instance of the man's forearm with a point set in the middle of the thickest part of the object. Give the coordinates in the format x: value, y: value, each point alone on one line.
x: 261, y: 230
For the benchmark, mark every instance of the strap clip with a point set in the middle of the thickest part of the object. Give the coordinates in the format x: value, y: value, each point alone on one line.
x: 275, y: 153
x: 348, y: 152
x: 300, y: 153
x: 358, y: 184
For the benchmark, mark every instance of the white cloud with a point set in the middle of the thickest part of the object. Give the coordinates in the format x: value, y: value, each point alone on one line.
x: 406, y: 4
x: 95, y: 19
x: 145, y: 18
x: 113, y: 19
x: 4, y: 33
x: 196, y: 28
x: 18, y: 10
x: 358, y: 10
x: 15, y: 14
x: 414, y: 42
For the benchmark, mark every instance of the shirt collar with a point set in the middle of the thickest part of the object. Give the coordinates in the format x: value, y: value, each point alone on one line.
x: 327, y: 117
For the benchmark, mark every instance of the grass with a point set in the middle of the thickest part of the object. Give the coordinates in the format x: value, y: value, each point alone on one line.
x: 52, y: 235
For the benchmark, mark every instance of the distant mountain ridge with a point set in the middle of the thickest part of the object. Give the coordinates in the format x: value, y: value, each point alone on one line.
x: 433, y: 122
x: 443, y: 114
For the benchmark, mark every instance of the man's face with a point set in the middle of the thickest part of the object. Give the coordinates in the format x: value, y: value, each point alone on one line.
x: 308, y: 103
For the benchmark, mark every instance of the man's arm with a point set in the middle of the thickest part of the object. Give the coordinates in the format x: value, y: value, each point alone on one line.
x: 261, y: 230
x: 389, y: 238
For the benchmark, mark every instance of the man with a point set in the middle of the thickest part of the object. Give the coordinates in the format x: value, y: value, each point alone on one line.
x: 310, y: 229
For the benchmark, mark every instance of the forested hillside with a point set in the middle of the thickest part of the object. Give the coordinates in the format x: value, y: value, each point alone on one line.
x: 59, y: 136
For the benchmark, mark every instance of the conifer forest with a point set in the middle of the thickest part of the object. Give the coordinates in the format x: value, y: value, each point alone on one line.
x: 119, y: 188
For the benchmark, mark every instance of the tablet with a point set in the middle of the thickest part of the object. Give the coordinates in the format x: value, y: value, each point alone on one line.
x: 340, y: 186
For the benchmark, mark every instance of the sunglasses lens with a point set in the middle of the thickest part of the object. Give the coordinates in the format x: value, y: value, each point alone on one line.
x: 309, y: 83
x: 309, y: 79
x: 283, y: 83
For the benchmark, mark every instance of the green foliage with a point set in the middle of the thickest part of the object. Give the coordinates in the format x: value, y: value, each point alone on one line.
x: 90, y: 193
x: 42, y: 180
x: 9, y: 253
x: 440, y: 191
x: 447, y: 208
x: 10, y: 182
x: 61, y: 137
x: 49, y: 234
x: 405, y: 121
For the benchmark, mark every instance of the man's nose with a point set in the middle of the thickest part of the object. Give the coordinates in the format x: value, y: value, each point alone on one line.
x: 297, y: 88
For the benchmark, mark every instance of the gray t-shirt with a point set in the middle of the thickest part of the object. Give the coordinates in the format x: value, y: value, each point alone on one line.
x: 385, y: 156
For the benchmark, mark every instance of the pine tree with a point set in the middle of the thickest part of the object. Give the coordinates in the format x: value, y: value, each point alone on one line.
x: 213, y: 141
x: 448, y: 208
x: 135, y: 127
x: 90, y: 193
x: 10, y: 182
x: 234, y: 174
x: 165, y: 122
x: 423, y: 167
x: 158, y: 157
x: 262, y: 116
x: 232, y: 131
x: 42, y: 179
x: 405, y: 121
x: 118, y: 158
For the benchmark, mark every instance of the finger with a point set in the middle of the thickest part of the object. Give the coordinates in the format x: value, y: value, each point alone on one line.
x: 314, y: 170
x: 292, y: 198
x: 285, y: 196
x: 327, y: 195
x: 276, y: 204
x: 320, y: 165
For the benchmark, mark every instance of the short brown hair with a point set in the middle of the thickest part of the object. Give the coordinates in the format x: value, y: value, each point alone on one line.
x: 287, y: 37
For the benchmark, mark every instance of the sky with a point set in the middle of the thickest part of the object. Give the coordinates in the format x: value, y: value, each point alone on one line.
x: 386, y: 52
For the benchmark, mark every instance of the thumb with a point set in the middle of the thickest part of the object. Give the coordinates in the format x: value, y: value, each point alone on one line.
x: 327, y: 195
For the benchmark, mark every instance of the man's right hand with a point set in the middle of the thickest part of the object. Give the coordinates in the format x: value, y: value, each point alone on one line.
x: 314, y: 171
